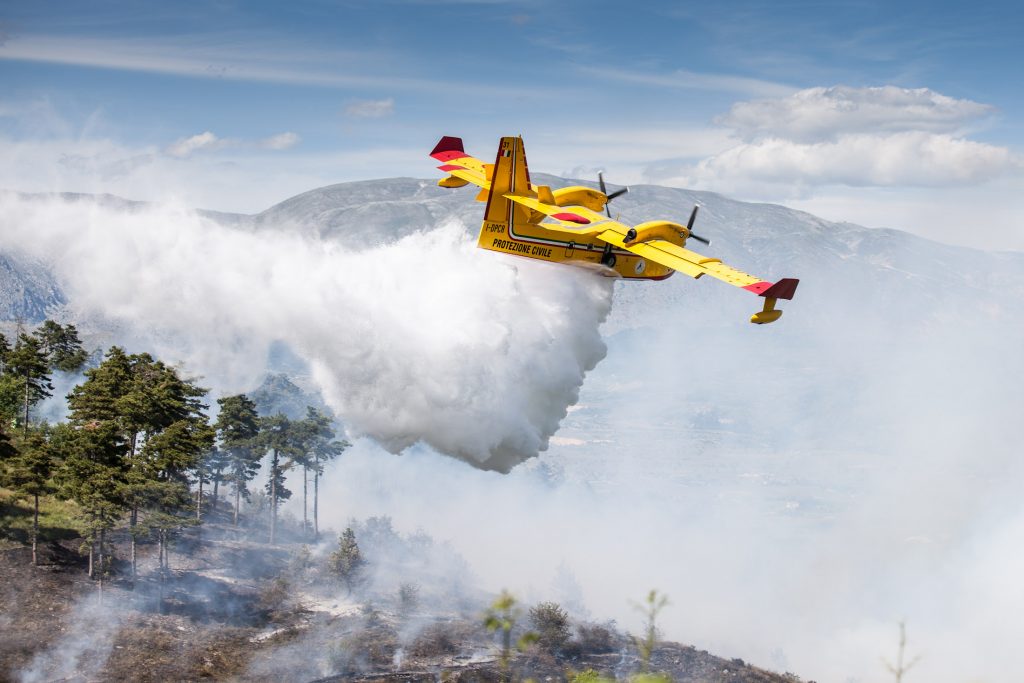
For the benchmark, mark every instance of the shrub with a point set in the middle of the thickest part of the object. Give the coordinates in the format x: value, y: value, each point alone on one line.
x: 551, y: 624
x: 408, y: 597
x: 596, y: 639
x: 435, y: 640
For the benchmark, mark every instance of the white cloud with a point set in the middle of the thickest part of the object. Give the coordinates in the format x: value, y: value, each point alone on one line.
x: 841, y: 136
x: 819, y: 114
x: 371, y: 109
x: 284, y: 140
x: 185, y: 147
x: 913, y: 158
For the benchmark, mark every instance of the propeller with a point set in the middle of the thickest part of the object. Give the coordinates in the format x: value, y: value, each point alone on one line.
x: 610, y: 197
x: 689, y: 226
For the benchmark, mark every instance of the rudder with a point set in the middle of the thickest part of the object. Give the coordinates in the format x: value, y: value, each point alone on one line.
x: 510, y: 176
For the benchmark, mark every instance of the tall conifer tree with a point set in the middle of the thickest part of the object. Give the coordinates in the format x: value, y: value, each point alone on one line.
x: 319, y: 447
x: 62, y: 346
x: 29, y: 473
x: 278, y: 436
x: 28, y: 364
x: 238, y: 427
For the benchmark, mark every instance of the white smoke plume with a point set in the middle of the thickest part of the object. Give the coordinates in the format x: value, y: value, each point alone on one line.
x: 82, y: 650
x: 425, y: 340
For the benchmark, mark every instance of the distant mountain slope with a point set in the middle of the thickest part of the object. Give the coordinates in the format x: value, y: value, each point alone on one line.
x: 27, y: 289
x: 846, y: 270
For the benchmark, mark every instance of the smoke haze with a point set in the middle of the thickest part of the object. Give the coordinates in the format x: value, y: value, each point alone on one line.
x: 426, y: 339
x: 796, y: 489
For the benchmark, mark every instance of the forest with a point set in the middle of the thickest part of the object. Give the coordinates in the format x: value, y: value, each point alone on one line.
x: 142, y: 466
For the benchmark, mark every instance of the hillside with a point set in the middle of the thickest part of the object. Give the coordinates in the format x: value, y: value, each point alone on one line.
x: 797, y: 488
x: 233, y: 607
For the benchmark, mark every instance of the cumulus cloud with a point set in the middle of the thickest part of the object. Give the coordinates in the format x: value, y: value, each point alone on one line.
x: 913, y: 158
x: 284, y: 140
x: 882, y: 136
x: 820, y: 114
x: 371, y: 109
x: 186, y: 147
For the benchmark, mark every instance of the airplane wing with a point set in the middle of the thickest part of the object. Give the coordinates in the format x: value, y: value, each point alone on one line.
x: 460, y: 167
x: 648, y: 240
x: 697, y: 265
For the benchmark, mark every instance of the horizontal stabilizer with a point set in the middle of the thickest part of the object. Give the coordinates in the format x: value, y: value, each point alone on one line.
x: 448, y: 148
x: 783, y: 289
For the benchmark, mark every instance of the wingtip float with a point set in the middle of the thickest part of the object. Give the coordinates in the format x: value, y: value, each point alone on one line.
x: 567, y: 226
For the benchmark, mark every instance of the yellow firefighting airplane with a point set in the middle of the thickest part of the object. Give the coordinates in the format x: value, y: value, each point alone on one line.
x: 565, y: 226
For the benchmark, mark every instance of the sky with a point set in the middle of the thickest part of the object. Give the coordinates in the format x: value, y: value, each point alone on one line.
x: 904, y: 115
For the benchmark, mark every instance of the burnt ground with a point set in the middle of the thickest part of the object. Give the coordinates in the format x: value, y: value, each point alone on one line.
x: 232, y: 609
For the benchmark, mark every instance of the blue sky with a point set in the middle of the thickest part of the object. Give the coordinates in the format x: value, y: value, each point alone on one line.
x: 908, y: 116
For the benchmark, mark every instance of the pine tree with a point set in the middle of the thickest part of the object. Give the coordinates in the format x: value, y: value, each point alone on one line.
x: 5, y: 348
x: 29, y: 473
x: 94, y: 475
x: 62, y: 346
x: 143, y: 399
x: 163, y: 465
x: 7, y: 449
x: 29, y: 365
x: 319, y: 447
x: 278, y: 436
x: 170, y: 455
x: 237, y: 430
x: 347, y: 563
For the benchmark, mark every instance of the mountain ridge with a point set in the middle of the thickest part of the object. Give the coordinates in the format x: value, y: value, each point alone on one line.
x: 768, y: 239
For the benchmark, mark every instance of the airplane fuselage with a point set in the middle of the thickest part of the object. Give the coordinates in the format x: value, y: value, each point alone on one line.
x: 533, y: 241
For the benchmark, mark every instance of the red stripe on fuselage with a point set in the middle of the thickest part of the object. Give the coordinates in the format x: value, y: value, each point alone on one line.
x: 571, y: 217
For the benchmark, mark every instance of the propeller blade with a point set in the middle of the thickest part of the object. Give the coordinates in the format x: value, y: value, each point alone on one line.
x: 689, y: 226
x: 693, y: 217
x: 617, y: 193
x: 604, y: 191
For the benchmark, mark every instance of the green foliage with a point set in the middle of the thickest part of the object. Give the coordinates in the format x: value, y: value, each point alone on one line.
x: 31, y: 467
x: 239, y: 454
x: 316, y: 439
x: 146, y: 430
x: 12, y: 396
x: 347, y: 563
x: 280, y: 436
x: 7, y: 448
x: 645, y: 645
x: 27, y: 365
x: 58, y: 518
x: 94, y: 474
x: 551, y: 623
x: 588, y: 676
x: 502, y: 616
x: 62, y: 346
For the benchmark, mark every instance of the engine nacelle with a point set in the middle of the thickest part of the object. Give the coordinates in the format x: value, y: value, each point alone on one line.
x: 663, y: 230
x: 452, y: 181
x: 580, y: 196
